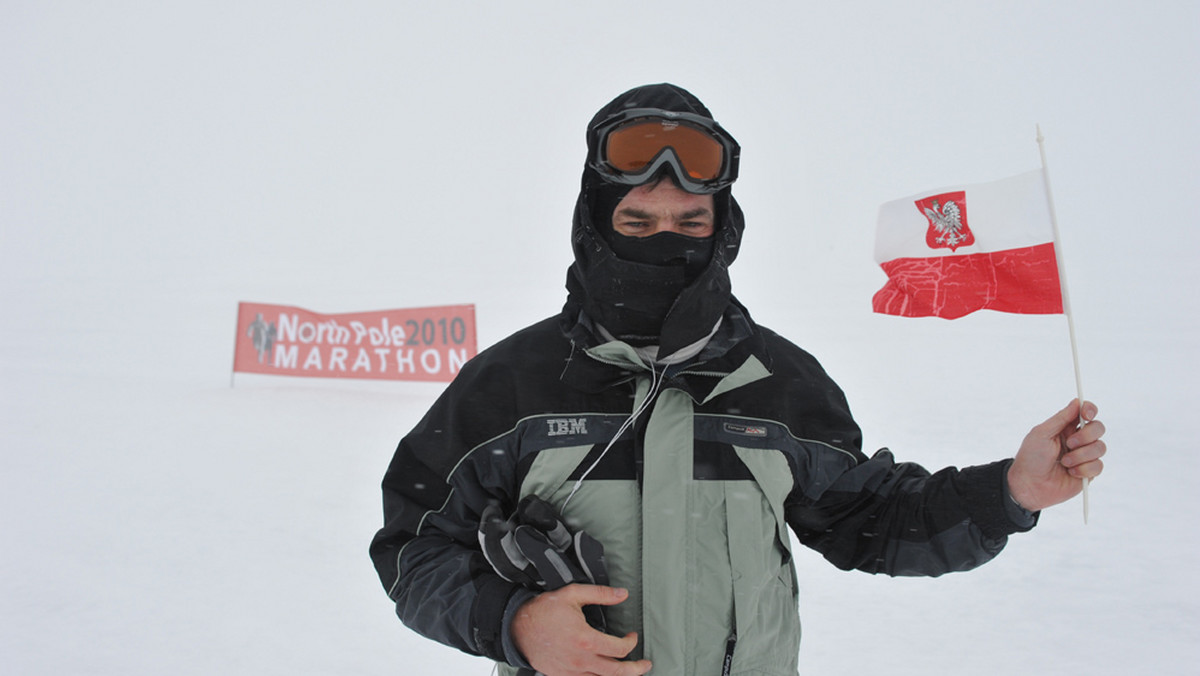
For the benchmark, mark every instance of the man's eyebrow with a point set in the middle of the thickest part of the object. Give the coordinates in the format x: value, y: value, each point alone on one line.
x: 699, y: 211
x: 634, y: 212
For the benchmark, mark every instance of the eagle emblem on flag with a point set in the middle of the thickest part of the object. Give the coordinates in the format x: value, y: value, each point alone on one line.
x: 947, y: 216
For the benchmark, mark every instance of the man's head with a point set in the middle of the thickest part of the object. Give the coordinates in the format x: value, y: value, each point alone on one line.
x: 651, y: 135
x: 656, y: 226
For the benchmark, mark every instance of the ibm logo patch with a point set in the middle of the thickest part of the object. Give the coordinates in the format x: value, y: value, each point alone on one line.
x: 561, y: 427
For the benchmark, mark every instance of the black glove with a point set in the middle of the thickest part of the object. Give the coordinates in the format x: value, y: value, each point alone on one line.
x: 534, y: 548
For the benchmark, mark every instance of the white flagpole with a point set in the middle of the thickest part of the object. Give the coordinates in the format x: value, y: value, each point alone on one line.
x: 1066, y: 297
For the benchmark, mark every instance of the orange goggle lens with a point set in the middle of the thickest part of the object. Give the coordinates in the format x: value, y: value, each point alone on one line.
x: 631, y: 147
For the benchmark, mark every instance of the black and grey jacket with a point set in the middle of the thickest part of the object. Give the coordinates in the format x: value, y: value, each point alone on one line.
x: 693, y: 503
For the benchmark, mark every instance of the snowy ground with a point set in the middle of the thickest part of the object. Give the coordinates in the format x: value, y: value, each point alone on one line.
x: 161, y: 163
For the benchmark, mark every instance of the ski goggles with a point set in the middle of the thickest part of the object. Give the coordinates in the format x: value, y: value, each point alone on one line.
x: 633, y: 146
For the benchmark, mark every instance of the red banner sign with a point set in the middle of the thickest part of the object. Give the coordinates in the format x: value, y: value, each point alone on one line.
x: 429, y: 344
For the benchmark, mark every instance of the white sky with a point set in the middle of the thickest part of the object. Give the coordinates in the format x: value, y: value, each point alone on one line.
x: 161, y: 161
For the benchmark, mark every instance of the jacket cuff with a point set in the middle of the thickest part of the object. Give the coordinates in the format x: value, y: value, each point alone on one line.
x: 512, y: 655
x: 992, y: 509
x: 488, y: 615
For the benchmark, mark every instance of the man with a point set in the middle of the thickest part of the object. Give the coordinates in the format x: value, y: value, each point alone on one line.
x: 655, y: 417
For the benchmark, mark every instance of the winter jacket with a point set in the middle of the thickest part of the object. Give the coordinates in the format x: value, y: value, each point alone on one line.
x: 693, y: 503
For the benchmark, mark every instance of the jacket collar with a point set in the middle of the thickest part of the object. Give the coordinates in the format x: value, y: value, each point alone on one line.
x: 735, y: 355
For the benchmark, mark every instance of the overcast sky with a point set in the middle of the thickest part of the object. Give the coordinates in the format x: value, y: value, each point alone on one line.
x: 160, y: 162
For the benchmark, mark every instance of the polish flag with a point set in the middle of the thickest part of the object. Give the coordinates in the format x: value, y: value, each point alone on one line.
x: 948, y: 253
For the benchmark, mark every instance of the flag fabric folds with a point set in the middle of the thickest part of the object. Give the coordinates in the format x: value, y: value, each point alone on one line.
x: 950, y: 252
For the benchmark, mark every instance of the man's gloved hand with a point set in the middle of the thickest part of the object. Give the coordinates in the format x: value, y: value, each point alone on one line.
x: 534, y: 548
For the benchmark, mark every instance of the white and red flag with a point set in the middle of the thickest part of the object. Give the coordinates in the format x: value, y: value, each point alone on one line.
x: 950, y: 252
x: 989, y: 246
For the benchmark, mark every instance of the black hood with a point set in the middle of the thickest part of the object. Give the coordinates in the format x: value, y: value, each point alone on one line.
x: 612, y: 291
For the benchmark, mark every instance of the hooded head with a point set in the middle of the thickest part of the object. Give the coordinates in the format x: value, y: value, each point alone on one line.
x: 667, y: 290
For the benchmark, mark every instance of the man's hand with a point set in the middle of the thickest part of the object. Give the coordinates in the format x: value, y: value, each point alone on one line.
x: 1056, y: 457
x: 552, y: 634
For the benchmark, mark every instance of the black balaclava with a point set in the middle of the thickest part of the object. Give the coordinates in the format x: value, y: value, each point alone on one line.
x: 667, y: 289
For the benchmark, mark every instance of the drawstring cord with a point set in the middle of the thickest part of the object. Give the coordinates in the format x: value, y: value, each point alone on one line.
x: 656, y: 381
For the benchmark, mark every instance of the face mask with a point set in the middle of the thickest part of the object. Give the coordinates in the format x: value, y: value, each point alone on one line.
x: 667, y: 249
x: 631, y: 300
x: 664, y: 290
x: 630, y: 294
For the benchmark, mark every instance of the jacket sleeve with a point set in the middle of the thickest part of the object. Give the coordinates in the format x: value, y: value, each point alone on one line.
x: 427, y: 555
x: 875, y: 514
x: 881, y: 516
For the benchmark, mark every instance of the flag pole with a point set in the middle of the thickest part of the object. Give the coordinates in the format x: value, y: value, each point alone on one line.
x: 1066, y: 297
